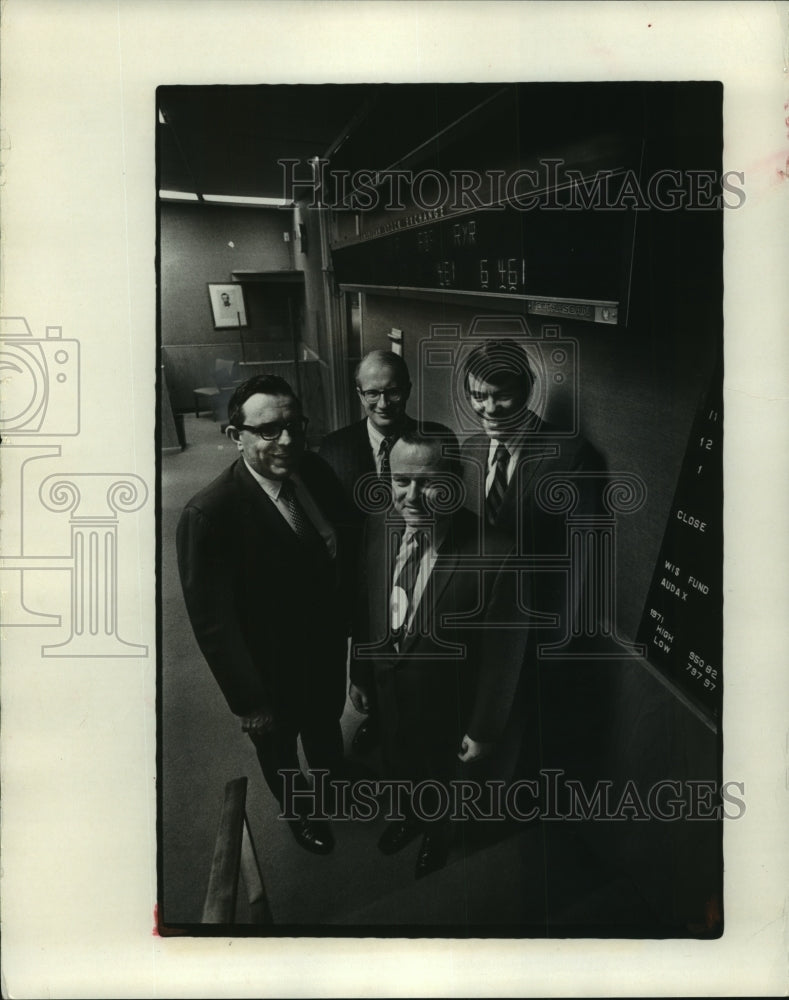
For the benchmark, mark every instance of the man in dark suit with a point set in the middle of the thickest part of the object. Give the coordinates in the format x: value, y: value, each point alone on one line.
x: 362, y: 450
x: 504, y: 464
x: 383, y: 386
x: 444, y: 686
x: 261, y: 553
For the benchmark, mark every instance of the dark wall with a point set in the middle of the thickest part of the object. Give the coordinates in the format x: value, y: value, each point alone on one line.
x: 637, y: 391
x: 195, y: 250
x: 636, y: 400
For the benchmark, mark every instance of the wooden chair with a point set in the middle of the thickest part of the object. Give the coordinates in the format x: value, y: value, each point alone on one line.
x: 215, y: 397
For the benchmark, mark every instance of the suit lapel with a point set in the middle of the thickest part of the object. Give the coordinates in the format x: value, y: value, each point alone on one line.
x: 522, y: 482
x: 364, y: 449
x: 264, y: 515
x: 475, y: 458
x: 380, y: 570
x: 444, y: 568
x: 534, y: 452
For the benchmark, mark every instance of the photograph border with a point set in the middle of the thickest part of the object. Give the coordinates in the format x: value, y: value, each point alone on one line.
x: 78, y: 857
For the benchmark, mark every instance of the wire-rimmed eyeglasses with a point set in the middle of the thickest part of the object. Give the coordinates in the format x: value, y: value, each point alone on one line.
x: 390, y: 395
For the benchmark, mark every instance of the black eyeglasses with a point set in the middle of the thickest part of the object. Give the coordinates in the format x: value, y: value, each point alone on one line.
x: 390, y: 395
x: 270, y: 432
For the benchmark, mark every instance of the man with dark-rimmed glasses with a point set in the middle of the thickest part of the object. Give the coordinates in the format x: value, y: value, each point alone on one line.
x: 262, y: 553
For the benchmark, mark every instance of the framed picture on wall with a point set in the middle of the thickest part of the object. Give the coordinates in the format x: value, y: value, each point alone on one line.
x: 227, y: 305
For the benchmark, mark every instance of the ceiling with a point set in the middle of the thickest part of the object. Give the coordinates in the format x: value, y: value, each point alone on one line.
x: 226, y: 140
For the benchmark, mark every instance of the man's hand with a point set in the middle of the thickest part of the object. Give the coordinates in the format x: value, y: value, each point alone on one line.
x: 258, y: 723
x: 472, y: 750
x: 359, y: 699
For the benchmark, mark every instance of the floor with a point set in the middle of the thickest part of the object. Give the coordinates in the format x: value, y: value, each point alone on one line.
x: 534, y: 880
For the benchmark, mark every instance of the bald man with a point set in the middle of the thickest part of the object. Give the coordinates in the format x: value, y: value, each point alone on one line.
x: 383, y: 386
x: 430, y: 643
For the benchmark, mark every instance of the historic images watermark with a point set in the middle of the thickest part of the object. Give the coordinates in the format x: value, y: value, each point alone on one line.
x: 552, y: 186
x: 549, y: 796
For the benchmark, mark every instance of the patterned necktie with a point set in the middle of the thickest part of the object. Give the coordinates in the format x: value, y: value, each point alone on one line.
x: 499, y: 485
x: 302, y: 525
x: 403, y: 590
x: 385, y: 473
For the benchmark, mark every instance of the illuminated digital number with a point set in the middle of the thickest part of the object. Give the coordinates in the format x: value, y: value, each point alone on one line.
x: 446, y: 273
x: 423, y: 241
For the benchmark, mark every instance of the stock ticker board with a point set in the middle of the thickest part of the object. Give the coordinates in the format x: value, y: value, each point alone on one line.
x: 576, y: 265
x: 572, y: 264
x: 682, y: 623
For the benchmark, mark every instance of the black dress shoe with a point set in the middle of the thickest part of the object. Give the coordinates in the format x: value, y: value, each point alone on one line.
x: 397, y: 835
x: 366, y: 736
x: 313, y: 835
x: 433, y: 853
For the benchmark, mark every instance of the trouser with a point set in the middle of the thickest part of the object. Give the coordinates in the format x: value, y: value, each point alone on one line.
x: 278, y: 751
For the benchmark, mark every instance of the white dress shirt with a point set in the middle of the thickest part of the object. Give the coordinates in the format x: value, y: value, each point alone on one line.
x: 375, y: 437
x: 429, y: 557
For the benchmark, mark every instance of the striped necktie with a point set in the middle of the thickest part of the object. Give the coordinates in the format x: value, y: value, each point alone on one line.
x: 385, y: 473
x: 499, y: 485
x: 402, y: 598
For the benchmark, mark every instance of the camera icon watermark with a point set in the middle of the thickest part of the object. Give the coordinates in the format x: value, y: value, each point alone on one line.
x: 40, y: 381
x: 41, y: 402
x: 550, y: 358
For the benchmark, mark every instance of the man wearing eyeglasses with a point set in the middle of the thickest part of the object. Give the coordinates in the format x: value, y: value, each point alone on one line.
x: 383, y: 386
x: 262, y: 553
x: 361, y: 449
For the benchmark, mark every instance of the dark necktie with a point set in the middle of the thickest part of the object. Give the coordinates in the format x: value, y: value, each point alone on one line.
x: 385, y: 473
x: 303, y: 526
x: 499, y: 485
x: 403, y: 589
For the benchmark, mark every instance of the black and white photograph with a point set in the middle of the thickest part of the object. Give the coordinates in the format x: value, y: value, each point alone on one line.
x: 441, y: 567
x: 392, y: 594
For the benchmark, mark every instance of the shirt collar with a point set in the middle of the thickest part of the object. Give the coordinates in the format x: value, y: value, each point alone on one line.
x: 272, y: 487
x: 516, y: 444
x: 438, y: 535
x: 375, y: 436
x: 512, y: 447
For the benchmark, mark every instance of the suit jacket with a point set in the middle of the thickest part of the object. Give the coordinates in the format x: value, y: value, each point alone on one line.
x: 348, y: 451
x: 534, y: 530
x: 349, y: 454
x: 430, y: 695
x: 270, y: 614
